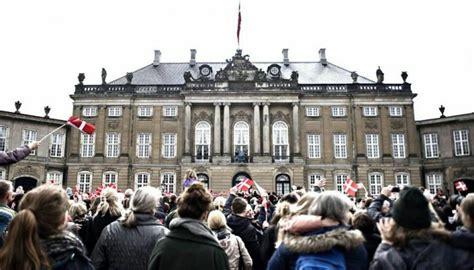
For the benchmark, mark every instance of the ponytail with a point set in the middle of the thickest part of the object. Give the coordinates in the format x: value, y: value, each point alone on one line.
x: 22, y: 249
x: 129, y: 220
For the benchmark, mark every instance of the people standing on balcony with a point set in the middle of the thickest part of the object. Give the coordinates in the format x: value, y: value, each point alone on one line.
x: 7, y: 158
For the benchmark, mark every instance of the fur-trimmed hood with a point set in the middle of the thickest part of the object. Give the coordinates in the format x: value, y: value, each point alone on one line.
x: 323, y: 240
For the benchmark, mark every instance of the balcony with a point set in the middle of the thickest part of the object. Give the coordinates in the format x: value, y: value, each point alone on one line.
x: 282, y: 159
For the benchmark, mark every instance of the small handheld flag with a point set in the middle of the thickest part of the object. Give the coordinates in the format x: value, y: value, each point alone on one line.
x: 350, y: 187
x: 245, y: 185
x: 460, y: 186
x: 82, y: 125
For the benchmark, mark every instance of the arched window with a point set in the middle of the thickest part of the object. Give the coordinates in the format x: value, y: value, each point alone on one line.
x: 55, y: 177
x: 402, y: 179
x: 109, y: 177
x: 168, y: 182
x: 434, y: 182
x: 282, y: 184
x: 241, y: 141
x: 281, y: 150
x: 313, y: 180
x: 202, y: 141
x: 84, y: 180
x: 142, y: 179
x: 375, y: 183
x: 239, y: 177
x: 203, y: 178
x: 341, y: 179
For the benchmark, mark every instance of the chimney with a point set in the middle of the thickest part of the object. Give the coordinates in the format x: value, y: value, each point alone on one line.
x: 156, y: 61
x: 286, y: 60
x: 192, y: 61
x: 322, y: 57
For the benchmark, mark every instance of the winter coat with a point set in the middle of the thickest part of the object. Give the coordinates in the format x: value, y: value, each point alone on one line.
x: 422, y: 254
x: 6, y: 216
x: 97, y: 224
x: 372, y: 241
x: 349, y: 242
x: 234, y: 247
x: 66, y: 251
x: 463, y: 239
x: 252, y: 237
x: 7, y: 158
x: 267, y: 248
x: 190, y: 244
x: 375, y: 208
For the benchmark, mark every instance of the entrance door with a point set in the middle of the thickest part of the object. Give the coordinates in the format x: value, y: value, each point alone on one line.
x: 28, y: 183
x: 239, y: 177
x: 283, y: 184
x: 203, y: 178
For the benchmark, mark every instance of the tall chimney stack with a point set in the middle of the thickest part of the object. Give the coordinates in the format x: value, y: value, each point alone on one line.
x: 322, y: 57
x: 156, y: 61
x: 192, y: 62
x: 286, y: 60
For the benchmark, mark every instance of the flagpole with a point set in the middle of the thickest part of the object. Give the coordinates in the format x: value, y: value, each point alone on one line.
x: 47, y: 135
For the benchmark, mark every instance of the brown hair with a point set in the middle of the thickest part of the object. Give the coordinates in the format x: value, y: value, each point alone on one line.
x: 400, y: 236
x: 43, y: 213
x: 467, y: 211
x: 194, y: 202
x: 239, y: 205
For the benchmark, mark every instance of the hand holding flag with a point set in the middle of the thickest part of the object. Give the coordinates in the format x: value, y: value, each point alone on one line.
x: 350, y: 187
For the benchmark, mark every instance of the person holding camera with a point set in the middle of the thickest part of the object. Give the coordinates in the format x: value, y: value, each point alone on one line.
x: 382, y: 205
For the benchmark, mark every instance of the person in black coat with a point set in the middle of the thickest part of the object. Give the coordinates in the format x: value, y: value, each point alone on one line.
x: 366, y: 225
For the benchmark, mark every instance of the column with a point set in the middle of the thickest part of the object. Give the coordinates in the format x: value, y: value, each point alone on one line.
x: 217, y: 129
x: 296, y: 128
x: 187, y: 125
x: 256, y: 127
x: 226, y: 128
x: 266, y: 129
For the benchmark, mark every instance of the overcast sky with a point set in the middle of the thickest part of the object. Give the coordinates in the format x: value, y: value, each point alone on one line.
x: 45, y: 44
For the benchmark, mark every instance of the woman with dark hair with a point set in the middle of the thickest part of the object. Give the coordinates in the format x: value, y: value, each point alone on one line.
x: 190, y: 243
x: 37, y: 238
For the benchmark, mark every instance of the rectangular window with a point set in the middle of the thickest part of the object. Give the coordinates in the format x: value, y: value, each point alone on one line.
x: 434, y: 182
x: 375, y: 183
x: 28, y: 137
x: 312, y: 111
x: 87, y: 145
x: 55, y: 178
x: 340, y: 147
x: 89, y: 111
x: 170, y: 111
x: 145, y: 111
x: 370, y: 111
x: 168, y: 183
x: 3, y: 138
x: 112, y: 145
x: 314, y: 146
x: 461, y: 142
x: 395, y: 110
x: 338, y: 111
x: 142, y: 180
x: 169, y: 145
x: 313, y: 180
x: 110, y: 178
x: 57, y: 145
x: 402, y: 180
x: 341, y: 179
x: 431, y: 145
x: 372, y: 143
x: 3, y: 174
x: 144, y: 145
x: 398, y: 145
x: 115, y: 111
x: 84, y: 180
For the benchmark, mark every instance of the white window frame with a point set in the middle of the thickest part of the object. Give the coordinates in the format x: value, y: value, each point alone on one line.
x: 143, y: 178
x: 313, y: 179
x: 4, y: 138
x: 340, y: 146
x: 29, y: 136
x: 109, y: 177
x: 281, y: 147
x: 398, y: 145
x: 112, y: 145
x: 339, y: 181
x: 168, y: 182
x: 395, y: 111
x: 87, y: 145
x: 434, y: 181
x: 3, y: 174
x: 312, y: 111
x: 169, y: 145
x: 431, y: 145
x: 338, y: 111
x: 242, y: 137
x: 55, y: 178
x: 170, y: 111
x: 372, y: 145
x: 314, y: 146
x: 375, y: 183
x: 84, y: 180
x: 145, y: 111
x: 89, y: 111
x: 114, y: 111
x: 370, y: 110
x: 402, y: 179
x: 461, y: 142
x: 56, y: 148
x: 202, y: 141
x: 144, y: 145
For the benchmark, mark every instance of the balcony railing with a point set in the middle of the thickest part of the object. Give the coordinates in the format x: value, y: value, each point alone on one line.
x: 276, y: 159
x: 128, y: 88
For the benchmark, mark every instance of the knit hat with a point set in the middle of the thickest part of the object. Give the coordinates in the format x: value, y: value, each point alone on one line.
x: 411, y: 210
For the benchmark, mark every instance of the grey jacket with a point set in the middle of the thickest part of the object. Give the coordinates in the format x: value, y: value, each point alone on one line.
x: 234, y: 247
x: 120, y: 247
x: 7, y: 158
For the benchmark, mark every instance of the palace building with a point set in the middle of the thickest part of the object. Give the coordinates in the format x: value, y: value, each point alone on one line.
x: 280, y: 123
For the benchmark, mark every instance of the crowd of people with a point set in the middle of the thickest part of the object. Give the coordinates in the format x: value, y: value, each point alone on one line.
x: 50, y: 228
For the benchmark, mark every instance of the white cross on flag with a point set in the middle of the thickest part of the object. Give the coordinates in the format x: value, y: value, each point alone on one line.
x: 82, y: 125
x: 350, y: 187
x: 460, y: 186
x: 245, y: 184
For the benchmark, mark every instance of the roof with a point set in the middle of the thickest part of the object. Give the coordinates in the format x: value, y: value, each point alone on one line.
x: 454, y: 118
x: 309, y: 73
x: 29, y: 117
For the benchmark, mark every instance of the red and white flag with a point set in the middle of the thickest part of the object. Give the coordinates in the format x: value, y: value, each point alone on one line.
x: 82, y: 125
x: 245, y: 184
x: 460, y: 186
x: 99, y: 190
x: 239, y: 21
x: 350, y: 187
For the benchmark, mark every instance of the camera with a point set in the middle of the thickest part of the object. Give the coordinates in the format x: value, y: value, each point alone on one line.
x: 396, y: 189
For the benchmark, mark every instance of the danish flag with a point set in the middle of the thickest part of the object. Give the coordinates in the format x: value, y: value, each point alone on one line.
x: 350, y: 187
x: 81, y: 125
x: 245, y: 184
x: 460, y: 186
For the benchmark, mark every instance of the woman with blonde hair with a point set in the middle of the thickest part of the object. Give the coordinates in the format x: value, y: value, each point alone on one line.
x: 234, y: 247
x: 38, y: 239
